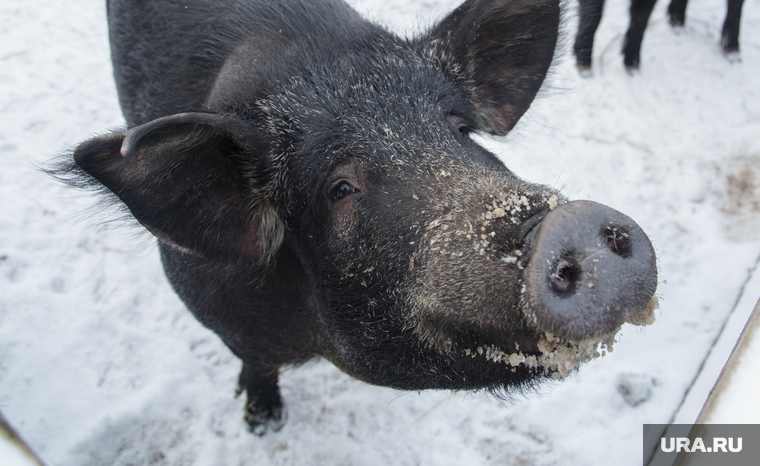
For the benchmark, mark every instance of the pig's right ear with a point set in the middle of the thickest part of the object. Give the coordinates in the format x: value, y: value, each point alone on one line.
x: 191, y: 180
x: 499, y: 51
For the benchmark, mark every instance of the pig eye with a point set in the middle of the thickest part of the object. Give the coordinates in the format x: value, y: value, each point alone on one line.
x: 459, y: 125
x: 342, y: 189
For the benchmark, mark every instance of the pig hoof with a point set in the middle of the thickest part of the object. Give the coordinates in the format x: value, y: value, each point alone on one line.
x: 584, y: 70
x: 677, y: 20
x: 261, y: 419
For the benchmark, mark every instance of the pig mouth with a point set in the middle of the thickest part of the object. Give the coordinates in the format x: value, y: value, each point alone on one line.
x: 554, y: 356
x: 549, y: 355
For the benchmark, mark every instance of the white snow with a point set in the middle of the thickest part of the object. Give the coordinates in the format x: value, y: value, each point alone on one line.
x: 100, y: 364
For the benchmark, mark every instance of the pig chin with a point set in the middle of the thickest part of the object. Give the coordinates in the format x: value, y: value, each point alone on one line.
x: 517, y: 342
x: 500, y: 335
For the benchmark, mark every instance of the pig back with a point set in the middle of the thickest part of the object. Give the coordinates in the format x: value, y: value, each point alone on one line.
x: 167, y: 54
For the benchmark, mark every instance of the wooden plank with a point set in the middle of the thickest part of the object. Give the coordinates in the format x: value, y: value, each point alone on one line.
x: 13, y: 450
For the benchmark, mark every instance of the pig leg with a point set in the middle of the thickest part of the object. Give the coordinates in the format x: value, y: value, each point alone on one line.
x: 730, y: 36
x: 589, y: 15
x: 263, y: 408
x: 640, y: 11
x: 677, y: 12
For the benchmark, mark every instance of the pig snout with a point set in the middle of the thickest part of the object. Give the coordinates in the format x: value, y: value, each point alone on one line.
x: 592, y: 270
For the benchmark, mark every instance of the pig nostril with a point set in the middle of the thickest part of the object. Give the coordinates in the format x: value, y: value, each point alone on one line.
x: 565, y: 276
x: 618, y: 240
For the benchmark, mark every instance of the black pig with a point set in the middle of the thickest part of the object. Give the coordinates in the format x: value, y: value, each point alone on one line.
x: 315, y: 192
x: 590, y: 14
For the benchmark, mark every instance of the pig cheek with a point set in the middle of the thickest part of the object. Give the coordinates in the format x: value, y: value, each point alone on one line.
x: 461, y: 290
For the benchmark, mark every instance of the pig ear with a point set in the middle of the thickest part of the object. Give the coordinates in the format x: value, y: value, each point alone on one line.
x: 499, y: 51
x: 189, y: 179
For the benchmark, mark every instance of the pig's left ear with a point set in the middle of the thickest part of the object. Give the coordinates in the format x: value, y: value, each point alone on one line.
x: 192, y: 180
x: 499, y: 51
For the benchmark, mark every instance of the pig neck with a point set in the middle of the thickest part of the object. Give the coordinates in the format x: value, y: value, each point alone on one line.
x: 277, y: 296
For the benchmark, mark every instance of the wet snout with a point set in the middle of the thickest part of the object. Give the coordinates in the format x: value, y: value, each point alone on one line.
x: 592, y: 269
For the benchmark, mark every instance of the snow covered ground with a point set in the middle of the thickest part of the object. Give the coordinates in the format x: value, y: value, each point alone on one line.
x: 100, y: 364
